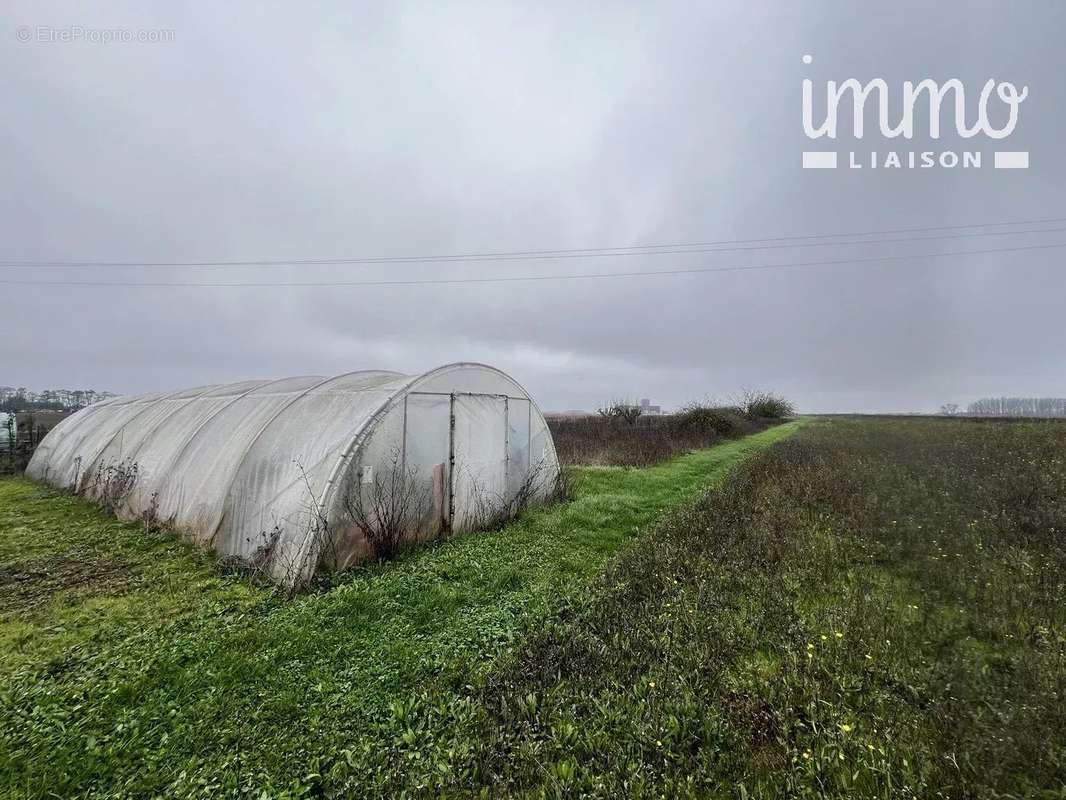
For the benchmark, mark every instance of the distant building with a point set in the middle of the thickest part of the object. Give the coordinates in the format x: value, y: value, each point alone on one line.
x: 648, y: 410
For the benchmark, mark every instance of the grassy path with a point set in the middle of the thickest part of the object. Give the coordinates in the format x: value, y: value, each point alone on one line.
x: 129, y: 666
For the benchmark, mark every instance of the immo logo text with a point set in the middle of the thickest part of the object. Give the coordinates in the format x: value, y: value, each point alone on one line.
x: 926, y: 94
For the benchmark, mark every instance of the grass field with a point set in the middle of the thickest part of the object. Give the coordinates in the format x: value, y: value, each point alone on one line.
x: 130, y: 667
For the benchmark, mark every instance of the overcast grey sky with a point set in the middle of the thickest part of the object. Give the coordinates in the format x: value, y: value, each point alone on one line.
x: 332, y: 130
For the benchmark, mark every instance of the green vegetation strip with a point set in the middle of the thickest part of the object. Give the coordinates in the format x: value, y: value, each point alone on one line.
x: 871, y: 609
x: 129, y: 667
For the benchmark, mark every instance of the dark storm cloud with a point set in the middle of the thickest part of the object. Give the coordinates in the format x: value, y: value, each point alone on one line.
x: 278, y: 132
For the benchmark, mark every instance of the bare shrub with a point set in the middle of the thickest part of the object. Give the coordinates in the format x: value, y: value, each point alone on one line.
x: 150, y: 516
x: 620, y: 412
x: 388, y: 507
x: 491, y: 511
x: 254, y: 568
x: 111, y: 485
x: 650, y: 439
x: 77, y: 474
x: 561, y: 489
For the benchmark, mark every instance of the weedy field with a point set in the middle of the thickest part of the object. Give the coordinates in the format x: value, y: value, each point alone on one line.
x: 866, y: 608
x: 873, y: 608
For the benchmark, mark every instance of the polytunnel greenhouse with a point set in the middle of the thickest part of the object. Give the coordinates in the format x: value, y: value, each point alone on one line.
x: 302, y: 474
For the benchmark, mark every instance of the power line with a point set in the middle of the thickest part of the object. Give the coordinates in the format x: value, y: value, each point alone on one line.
x: 530, y: 278
x: 594, y: 252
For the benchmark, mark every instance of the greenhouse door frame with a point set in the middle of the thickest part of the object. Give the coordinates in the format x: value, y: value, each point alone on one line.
x: 449, y: 517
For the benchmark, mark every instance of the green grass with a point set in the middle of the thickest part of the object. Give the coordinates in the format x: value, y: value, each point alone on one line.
x: 130, y: 667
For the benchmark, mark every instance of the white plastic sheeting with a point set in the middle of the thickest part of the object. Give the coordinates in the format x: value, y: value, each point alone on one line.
x: 8, y: 431
x: 264, y: 472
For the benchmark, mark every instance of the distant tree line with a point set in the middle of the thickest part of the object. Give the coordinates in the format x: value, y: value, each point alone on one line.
x: 1018, y: 407
x: 21, y: 399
